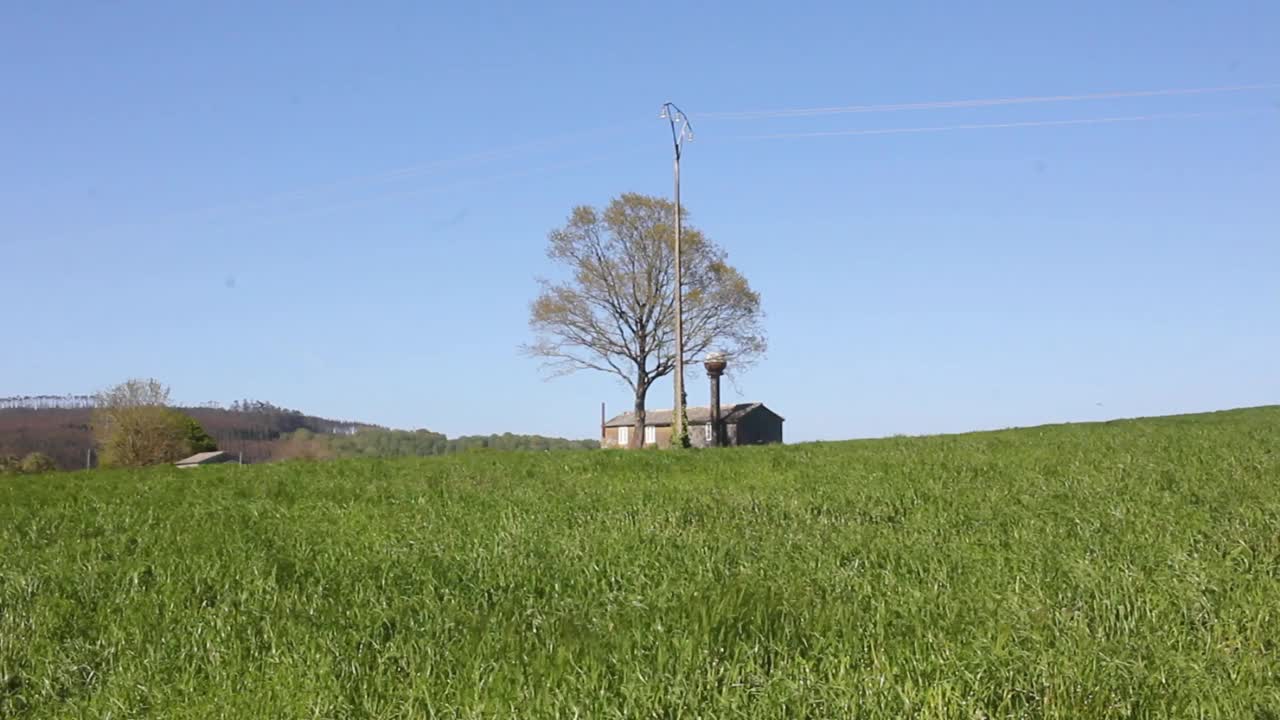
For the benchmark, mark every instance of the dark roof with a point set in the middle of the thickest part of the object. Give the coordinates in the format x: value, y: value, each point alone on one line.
x: 698, y: 415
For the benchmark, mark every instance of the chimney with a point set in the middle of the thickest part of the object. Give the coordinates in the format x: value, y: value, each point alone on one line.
x: 715, y: 365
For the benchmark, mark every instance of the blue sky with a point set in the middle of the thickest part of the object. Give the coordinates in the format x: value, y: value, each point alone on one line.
x: 343, y: 209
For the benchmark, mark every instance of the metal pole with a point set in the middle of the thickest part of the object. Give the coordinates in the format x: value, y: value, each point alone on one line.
x: 677, y: 421
x: 679, y: 424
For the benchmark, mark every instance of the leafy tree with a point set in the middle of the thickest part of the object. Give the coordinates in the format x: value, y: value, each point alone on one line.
x: 304, y: 444
x: 37, y: 462
x: 193, y: 433
x: 10, y: 465
x: 616, y: 312
x: 133, y: 427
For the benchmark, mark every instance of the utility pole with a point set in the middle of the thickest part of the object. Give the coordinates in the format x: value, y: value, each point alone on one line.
x: 681, y: 131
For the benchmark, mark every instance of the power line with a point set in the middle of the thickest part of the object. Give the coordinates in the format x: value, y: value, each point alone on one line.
x: 452, y: 185
x: 428, y: 169
x: 282, y: 199
x: 975, y: 103
x: 977, y: 126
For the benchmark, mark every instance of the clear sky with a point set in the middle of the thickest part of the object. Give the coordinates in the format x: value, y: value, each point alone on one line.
x: 342, y: 207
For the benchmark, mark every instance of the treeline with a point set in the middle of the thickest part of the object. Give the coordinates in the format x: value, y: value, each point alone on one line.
x: 254, y: 430
x: 380, y: 442
x: 46, y: 402
x: 31, y: 464
x: 59, y: 433
x: 257, y: 430
x: 60, y: 428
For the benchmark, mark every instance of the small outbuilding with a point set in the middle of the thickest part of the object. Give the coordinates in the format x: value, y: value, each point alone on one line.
x: 740, y: 424
x: 205, y: 458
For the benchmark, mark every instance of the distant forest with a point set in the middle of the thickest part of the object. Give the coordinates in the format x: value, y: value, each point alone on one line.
x: 380, y: 442
x: 58, y: 426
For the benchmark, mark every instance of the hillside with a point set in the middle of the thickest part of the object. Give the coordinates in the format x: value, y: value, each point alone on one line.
x: 59, y: 427
x: 61, y: 430
x: 1125, y: 569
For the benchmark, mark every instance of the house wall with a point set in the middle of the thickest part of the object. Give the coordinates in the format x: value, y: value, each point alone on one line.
x: 662, y: 436
x: 759, y: 428
x: 698, y: 434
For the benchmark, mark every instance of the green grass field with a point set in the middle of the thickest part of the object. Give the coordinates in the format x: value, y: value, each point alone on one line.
x: 1127, y: 569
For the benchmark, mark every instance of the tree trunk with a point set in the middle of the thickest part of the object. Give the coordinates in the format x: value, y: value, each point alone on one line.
x: 637, y: 432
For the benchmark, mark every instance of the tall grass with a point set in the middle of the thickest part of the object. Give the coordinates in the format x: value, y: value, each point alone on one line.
x: 1128, y: 569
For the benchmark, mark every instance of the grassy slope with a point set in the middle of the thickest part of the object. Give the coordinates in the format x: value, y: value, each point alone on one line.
x: 1128, y: 569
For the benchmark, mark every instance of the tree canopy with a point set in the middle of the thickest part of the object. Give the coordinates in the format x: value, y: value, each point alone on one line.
x: 37, y: 462
x: 134, y: 426
x: 31, y: 463
x: 615, y: 310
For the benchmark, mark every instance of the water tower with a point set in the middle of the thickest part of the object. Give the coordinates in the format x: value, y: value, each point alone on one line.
x: 715, y: 364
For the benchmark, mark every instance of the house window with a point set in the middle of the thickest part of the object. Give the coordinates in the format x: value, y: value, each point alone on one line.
x: 650, y: 435
x: 706, y: 433
x: 624, y: 436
